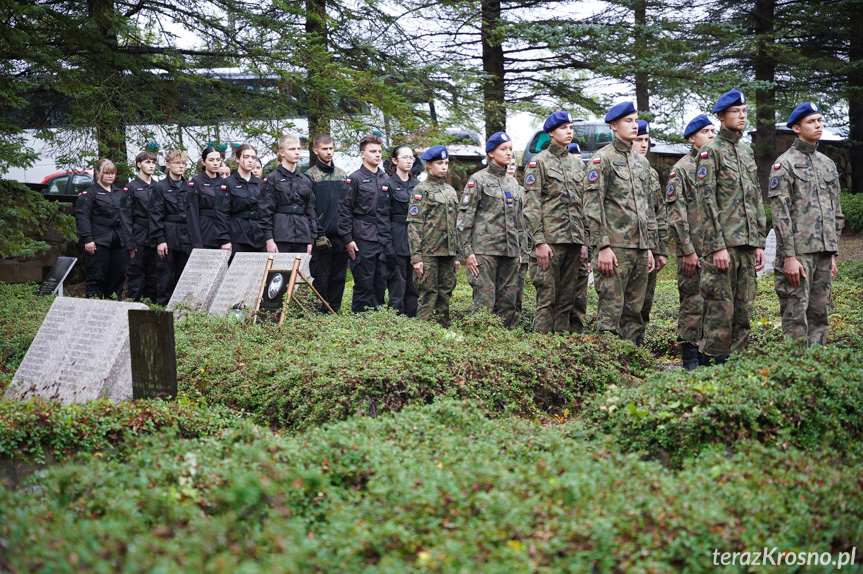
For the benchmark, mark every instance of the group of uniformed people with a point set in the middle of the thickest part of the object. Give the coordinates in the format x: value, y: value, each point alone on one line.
x: 406, y: 237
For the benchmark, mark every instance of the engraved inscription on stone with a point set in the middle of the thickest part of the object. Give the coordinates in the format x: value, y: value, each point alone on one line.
x: 80, y: 353
x: 58, y: 274
x: 769, y: 254
x: 154, y: 358
x: 241, y: 286
x: 201, y: 278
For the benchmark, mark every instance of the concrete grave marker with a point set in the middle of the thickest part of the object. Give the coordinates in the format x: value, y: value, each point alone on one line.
x: 241, y: 286
x: 80, y: 353
x: 769, y: 254
x: 201, y: 279
x: 154, y: 356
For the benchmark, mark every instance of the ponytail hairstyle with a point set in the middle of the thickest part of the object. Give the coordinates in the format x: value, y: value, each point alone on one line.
x: 238, y: 153
x: 396, y: 149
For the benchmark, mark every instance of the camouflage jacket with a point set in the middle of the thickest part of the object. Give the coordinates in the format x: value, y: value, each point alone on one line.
x: 617, y: 199
x: 684, y: 217
x: 524, y: 239
x: 432, y: 220
x: 804, y: 196
x: 553, y: 211
x: 726, y: 185
x: 658, y: 204
x: 328, y: 183
x: 489, y: 214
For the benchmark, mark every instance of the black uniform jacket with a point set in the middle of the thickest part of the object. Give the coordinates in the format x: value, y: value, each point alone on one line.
x: 206, y: 188
x: 174, y: 215
x: 97, y: 215
x: 287, y: 207
x: 237, y: 216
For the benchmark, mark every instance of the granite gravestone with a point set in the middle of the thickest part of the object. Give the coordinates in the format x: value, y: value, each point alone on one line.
x: 241, y: 286
x: 769, y: 254
x: 201, y: 279
x: 81, y: 353
x: 53, y: 283
x: 154, y: 357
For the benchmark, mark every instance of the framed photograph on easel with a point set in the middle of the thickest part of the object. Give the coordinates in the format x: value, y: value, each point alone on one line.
x: 277, y: 292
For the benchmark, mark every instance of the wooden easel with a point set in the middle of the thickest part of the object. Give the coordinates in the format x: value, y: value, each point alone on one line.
x: 296, y: 278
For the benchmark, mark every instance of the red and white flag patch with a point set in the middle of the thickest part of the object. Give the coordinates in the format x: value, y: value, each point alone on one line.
x: 777, y: 165
x: 703, y: 154
x: 532, y: 164
x: 597, y: 160
x: 672, y: 174
x: 418, y: 196
x: 470, y: 184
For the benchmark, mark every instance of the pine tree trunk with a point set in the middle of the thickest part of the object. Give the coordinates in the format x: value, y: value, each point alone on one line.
x: 493, y: 65
x: 765, y: 98
x: 319, y: 104
x: 855, y: 111
x: 642, y: 95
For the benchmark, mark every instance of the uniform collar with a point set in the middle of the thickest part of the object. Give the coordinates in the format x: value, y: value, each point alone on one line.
x: 285, y: 171
x: 497, y: 171
x: 367, y: 171
x: 730, y: 136
x: 620, y: 145
x: 324, y: 167
x: 557, y: 150
x: 804, y: 147
x: 693, y: 152
x: 435, y: 179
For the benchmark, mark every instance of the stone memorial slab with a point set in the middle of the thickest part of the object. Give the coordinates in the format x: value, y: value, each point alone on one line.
x: 53, y: 283
x: 201, y: 278
x: 80, y: 353
x: 769, y: 254
x: 241, y: 286
x: 154, y: 356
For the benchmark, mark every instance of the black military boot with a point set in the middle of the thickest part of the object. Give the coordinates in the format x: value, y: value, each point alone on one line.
x: 690, y: 356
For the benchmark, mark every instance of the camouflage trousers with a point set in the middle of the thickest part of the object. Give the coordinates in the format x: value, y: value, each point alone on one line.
x: 435, y: 287
x: 804, y: 308
x: 579, y: 309
x: 519, y: 295
x: 556, y: 289
x: 621, y: 296
x: 728, y: 297
x: 691, y: 306
x: 496, y: 287
x: 648, y: 304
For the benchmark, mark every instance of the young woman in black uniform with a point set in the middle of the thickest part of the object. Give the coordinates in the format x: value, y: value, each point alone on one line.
x: 400, y: 283
x: 206, y: 184
x: 238, y: 227
x: 97, y: 218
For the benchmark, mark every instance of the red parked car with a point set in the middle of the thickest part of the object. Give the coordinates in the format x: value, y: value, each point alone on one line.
x: 68, y: 183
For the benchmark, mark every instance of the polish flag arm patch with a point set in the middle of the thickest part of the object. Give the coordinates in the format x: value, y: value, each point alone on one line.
x: 703, y: 154
x: 532, y: 164
x: 471, y: 184
x: 418, y: 197
x: 777, y: 165
x: 597, y: 160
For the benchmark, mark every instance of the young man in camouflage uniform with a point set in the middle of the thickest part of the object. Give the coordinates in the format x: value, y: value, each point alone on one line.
x: 433, y: 237
x: 553, y: 216
x: 622, y: 226
x: 488, y: 227
x: 735, y: 229
x: 329, y: 264
x: 524, y: 243
x: 684, y: 222
x: 807, y: 217
x: 641, y: 145
x: 579, y: 310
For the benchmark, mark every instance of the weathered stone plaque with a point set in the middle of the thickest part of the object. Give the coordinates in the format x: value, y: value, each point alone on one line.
x: 241, y: 286
x: 769, y: 254
x: 154, y: 357
x: 201, y: 278
x: 54, y: 281
x: 80, y: 353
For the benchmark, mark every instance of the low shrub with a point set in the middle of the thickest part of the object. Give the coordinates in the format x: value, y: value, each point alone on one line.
x: 439, y: 488
x: 21, y: 315
x: 23, y: 210
x: 852, y: 209
x: 38, y: 429
x: 781, y: 394
x: 324, y: 368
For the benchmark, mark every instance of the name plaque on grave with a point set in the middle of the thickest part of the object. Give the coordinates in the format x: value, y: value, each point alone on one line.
x: 58, y: 274
x: 201, y: 278
x: 154, y: 358
x: 80, y: 353
x: 241, y: 286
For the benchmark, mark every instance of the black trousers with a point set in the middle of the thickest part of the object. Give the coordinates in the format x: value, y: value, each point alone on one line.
x: 288, y: 247
x: 400, y: 283
x: 329, y: 268
x: 143, y: 275
x: 106, y: 270
x: 170, y: 269
x: 370, y: 283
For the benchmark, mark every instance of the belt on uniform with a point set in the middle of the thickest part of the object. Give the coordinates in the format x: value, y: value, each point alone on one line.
x: 142, y: 221
x: 291, y: 209
x: 366, y: 218
x: 245, y: 215
x: 105, y: 221
x: 208, y: 212
x: 400, y: 218
x: 176, y: 218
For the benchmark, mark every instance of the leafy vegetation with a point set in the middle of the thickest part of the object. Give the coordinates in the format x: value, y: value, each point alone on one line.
x: 23, y: 213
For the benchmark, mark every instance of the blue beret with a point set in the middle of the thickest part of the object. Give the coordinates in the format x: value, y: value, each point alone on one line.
x: 801, y: 111
x: 495, y: 140
x: 728, y: 99
x: 696, y: 124
x: 618, y: 111
x: 573, y: 148
x: 556, y: 120
x: 643, y: 128
x: 435, y: 153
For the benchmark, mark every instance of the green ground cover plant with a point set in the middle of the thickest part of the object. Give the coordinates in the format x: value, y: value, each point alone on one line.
x: 439, y: 488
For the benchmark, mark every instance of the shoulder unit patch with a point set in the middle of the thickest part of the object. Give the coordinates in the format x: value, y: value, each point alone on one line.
x: 414, y: 210
x: 702, y: 172
x: 530, y: 179
x: 593, y: 175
